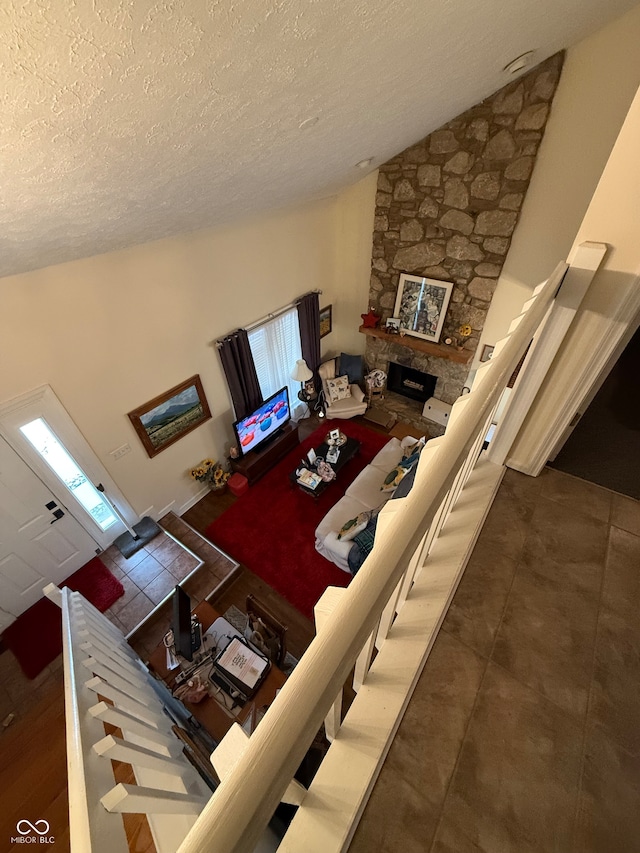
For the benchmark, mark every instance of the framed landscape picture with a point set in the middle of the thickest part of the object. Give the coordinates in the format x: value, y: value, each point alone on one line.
x: 325, y: 321
x: 171, y: 415
x: 421, y: 305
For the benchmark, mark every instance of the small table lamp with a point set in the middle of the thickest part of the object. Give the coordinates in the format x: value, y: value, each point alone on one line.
x: 302, y: 374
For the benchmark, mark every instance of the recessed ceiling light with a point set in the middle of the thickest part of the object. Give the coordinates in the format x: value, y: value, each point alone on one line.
x: 519, y: 62
x: 308, y: 122
x: 364, y: 163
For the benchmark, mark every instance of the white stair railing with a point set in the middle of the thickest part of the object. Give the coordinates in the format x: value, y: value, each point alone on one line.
x: 394, y: 606
x: 106, y: 682
x: 392, y: 598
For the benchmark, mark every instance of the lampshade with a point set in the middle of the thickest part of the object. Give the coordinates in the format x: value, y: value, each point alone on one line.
x: 301, y: 372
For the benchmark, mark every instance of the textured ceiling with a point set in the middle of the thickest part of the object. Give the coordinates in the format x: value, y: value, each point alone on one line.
x: 125, y: 121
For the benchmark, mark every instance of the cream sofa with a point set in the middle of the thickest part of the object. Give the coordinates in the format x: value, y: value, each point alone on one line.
x: 363, y: 494
x: 347, y: 408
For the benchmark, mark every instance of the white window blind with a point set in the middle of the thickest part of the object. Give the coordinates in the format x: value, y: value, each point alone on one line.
x: 275, y: 346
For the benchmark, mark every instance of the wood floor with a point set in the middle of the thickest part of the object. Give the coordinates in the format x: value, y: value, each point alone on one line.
x: 32, y: 749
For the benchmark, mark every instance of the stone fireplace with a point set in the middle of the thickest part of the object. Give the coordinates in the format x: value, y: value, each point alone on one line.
x: 446, y: 209
x: 410, y: 383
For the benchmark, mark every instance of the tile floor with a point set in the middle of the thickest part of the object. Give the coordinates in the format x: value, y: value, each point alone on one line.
x: 523, y: 735
x: 147, y: 576
x: 523, y: 732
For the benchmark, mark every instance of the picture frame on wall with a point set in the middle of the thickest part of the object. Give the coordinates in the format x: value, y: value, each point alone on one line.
x: 421, y: 305
x: 170, y: 416
x: 325, y: 321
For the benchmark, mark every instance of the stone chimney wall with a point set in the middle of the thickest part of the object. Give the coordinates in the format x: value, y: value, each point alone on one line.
x: 447, y: 207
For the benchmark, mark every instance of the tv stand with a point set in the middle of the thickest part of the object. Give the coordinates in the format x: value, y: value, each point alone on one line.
x: 264, y: 445
x: 256, y: 463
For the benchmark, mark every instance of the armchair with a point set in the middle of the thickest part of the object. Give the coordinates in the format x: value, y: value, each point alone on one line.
x: 351, y: 406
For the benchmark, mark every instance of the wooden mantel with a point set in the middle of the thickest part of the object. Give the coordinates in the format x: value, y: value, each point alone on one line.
x: 437, y: 350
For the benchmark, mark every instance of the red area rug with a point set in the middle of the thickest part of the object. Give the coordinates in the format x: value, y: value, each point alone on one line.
x: 270, y: 529
x: 35, y: 637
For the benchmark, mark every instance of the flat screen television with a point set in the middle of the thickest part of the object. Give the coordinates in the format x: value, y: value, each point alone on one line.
x: 186, y: 637
x: 258, y: 428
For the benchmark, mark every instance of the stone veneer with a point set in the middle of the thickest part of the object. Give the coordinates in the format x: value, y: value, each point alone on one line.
x: 447, y: 207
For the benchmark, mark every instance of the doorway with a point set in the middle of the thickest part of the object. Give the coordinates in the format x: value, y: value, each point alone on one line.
x: 40, y: 540
x: 604, y: 447
x: 53, y: 514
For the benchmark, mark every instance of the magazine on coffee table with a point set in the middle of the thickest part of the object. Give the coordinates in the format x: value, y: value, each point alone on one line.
x: 309, y: 479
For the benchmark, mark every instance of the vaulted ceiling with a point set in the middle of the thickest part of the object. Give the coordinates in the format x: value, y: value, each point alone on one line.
x: 124, y: 122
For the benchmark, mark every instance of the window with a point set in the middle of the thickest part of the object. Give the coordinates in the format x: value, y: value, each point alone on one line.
x: 276, y: 347
x: 68, y: 471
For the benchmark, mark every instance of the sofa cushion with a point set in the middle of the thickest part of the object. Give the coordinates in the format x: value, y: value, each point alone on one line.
x: 345, y: 509
x: 389, y: 456
x: 366, y: 488
x: 338, y: 388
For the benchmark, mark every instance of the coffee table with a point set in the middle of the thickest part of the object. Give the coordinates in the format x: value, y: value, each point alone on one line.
x: 347, y: 451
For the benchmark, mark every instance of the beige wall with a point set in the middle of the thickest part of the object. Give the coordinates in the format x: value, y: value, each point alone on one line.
x: 610, y: 306
x: 598, y: 82
x: 354, y: 238
x: 110, y: 332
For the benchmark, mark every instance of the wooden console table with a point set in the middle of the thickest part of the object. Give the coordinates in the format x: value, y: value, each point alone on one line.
x: 257, y: 462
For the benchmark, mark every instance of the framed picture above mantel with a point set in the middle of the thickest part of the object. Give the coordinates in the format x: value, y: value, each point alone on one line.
x: 170, y: 416
x: 421, y: 305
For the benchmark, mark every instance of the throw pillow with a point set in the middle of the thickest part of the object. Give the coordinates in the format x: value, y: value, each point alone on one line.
x: 352, y: 365
x: 406, y: 483
x: 352, y: 527
x: 338, y: 388
x: 393, y: 478
x: 412, y: 446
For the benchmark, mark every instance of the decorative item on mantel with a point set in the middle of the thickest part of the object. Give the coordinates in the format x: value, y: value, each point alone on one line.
x: 370, y: 320
x: 212, y: 473
x: 464, y: 331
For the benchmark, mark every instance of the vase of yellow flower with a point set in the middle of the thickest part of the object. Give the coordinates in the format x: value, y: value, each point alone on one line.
x: 464, y: 331
x: 212, y: 473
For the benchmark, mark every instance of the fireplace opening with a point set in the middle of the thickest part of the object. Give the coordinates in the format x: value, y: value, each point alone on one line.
x: 411, y: 383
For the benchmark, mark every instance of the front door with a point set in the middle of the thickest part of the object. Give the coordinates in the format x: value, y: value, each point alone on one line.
x: 40, y: 541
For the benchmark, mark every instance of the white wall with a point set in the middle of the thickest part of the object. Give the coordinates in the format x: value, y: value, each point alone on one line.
x: 598, y: 82
x: 355, y: 210
x: 110, y: 332
x: 610, y: 306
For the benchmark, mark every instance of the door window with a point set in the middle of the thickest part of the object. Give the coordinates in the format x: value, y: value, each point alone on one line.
x: 67, y: 470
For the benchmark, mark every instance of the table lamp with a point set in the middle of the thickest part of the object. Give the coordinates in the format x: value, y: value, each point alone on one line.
x: 303, y: 374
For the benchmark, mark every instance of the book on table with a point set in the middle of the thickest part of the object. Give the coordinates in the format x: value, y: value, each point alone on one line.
x: 309, y: 479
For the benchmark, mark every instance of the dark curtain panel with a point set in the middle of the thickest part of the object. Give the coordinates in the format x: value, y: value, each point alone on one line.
x: 309, y: 321
x: 237, y: 361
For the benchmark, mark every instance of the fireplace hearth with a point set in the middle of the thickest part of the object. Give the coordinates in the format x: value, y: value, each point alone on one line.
x: 410, y: 382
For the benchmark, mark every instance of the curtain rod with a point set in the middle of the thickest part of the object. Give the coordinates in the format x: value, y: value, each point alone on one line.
x: 273, y: 314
